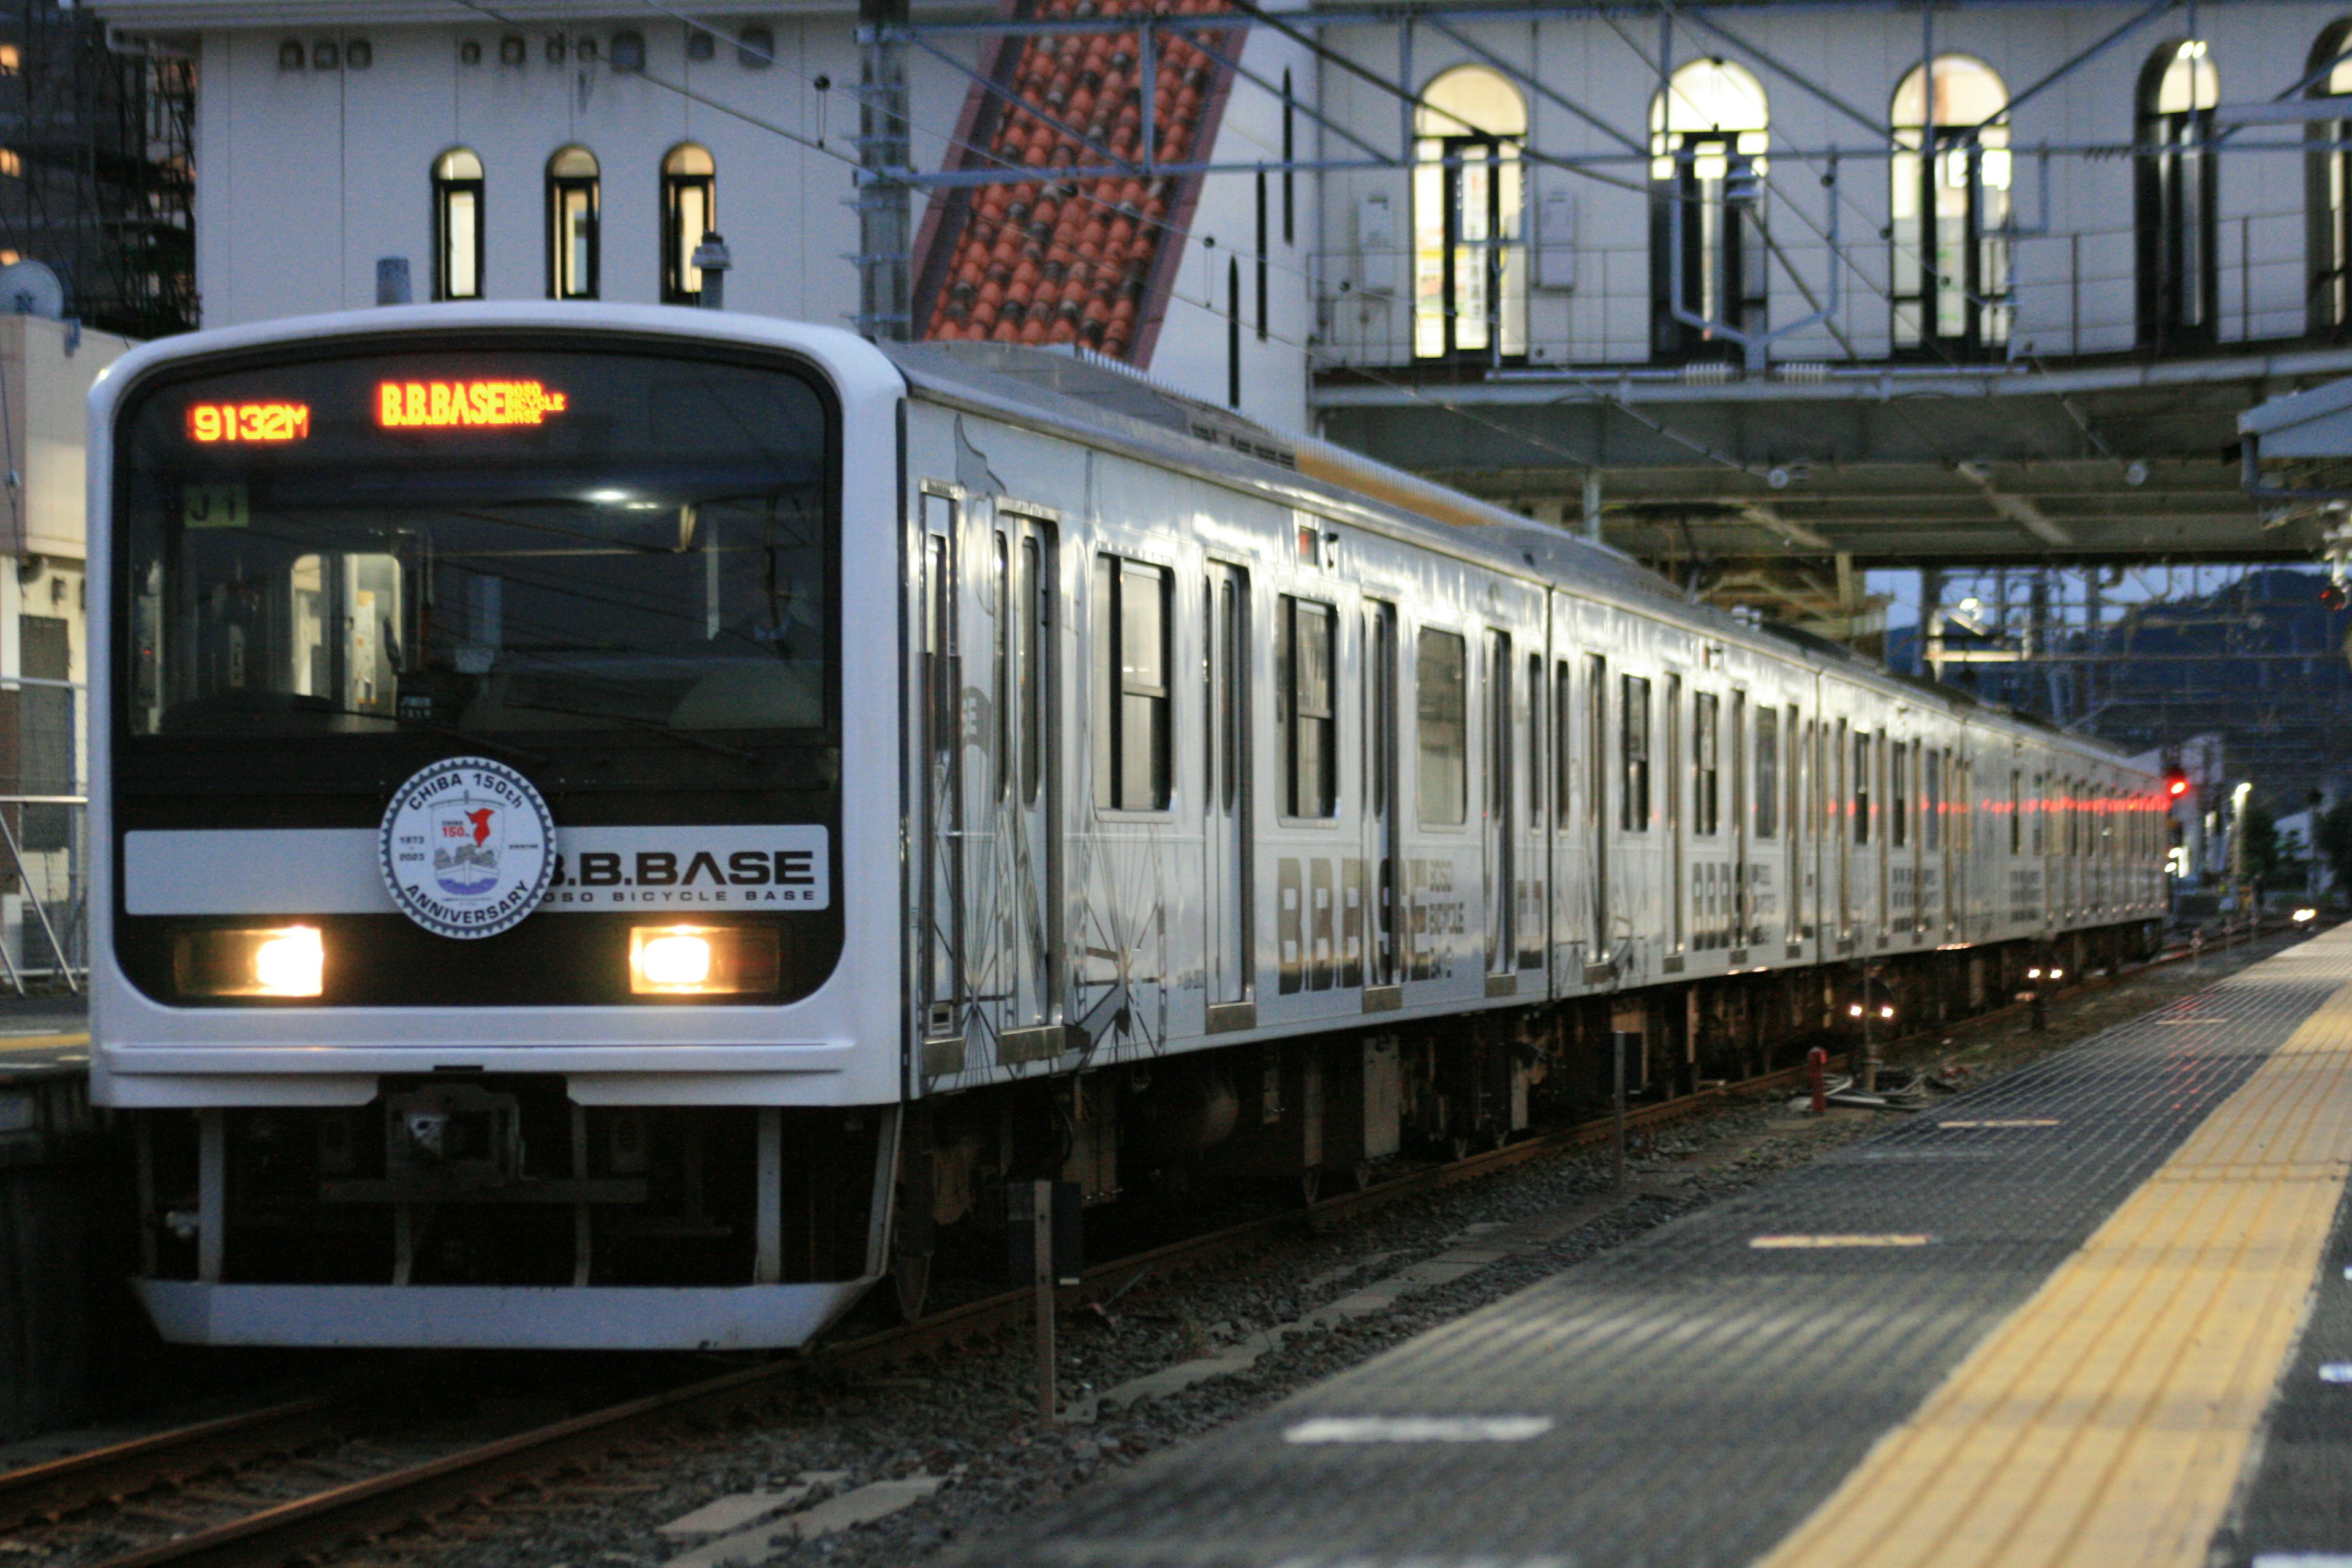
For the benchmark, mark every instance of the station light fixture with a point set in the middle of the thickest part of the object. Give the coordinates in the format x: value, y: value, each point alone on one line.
x: 701, y: 961
x: 286, y: 960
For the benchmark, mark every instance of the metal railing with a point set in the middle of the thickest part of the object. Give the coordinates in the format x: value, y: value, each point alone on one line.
x: 44, y: 834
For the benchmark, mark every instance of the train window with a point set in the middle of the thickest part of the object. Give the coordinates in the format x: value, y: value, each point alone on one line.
x: 1001, y: 595
x: 1706, y: 762
x: 2016, y: 812
x: 1898, y: 795
x: 1862, y: 787
x: 1535, y: 741
x: 1500, y: 731
x: 1563, y: 741
x: 1131, y: 753
x: 1931, y: 791
x: 1768, y: 772
x: 1306, y: 646
x: 1633, y: 801
x: 1441, y: 715
x: 2040, y: 813
x: 1036, y: 593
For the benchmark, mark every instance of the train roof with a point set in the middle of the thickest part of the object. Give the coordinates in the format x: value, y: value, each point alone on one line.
x: 1101, y: 400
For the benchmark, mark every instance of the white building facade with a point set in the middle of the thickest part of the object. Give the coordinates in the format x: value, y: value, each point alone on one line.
x: 579, y: 150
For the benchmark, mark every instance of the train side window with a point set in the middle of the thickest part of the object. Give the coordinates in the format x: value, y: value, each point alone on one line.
x: 1037, y: 597
x: 2016, y: 812
x: 1931, y: 789
x: 1132, y: 751
x: 1899, y: 794
x: 1535, y: 741
x: 1563, y: 741
x: 1305, y: 655
x: 1000, y: 595
x: 2040, y: 813
x: 1862, y: 787
x: 1768, y: 772
x: 1706, y: 762
x: 1441, y: 717
x: 1501, y: 731
x: 1633, y: 799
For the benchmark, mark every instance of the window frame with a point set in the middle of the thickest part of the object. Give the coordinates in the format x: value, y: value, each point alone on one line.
x: 560, y: 283
x: 1115, y: 689
x: 1422, y: 638
x: 677, y: 246
x: 1634, y: 762
x: 1707, y: 763
x: 445, y: 188
x: 1293, y: 721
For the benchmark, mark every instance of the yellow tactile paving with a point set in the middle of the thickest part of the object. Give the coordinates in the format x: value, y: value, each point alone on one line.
x: 42, y: 1042
x: 2105, y: 1423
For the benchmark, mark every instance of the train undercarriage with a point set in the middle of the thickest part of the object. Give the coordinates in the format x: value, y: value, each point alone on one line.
x: 478, y: 1180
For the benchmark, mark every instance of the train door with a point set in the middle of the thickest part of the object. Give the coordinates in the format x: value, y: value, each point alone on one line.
x: 1677, y: 933
x: 1533, y: 857
x: 1381, y: 787
x: 1741, y: 921
x: 1842, y: 845
x: 940, y: 784
x: 1231, y: 946
x: 1798, y: 830
x: 1497, y: 851
x: 1596, y: 809
x: 1027, y: 782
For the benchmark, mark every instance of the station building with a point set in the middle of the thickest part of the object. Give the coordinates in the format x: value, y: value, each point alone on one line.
x: 1792, y: 289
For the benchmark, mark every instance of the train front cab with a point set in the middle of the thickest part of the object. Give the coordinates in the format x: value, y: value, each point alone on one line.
x: 604, y: 553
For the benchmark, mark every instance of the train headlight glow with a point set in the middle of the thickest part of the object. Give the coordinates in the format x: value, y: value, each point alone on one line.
x: 290, y: 961
x: 701, y: 961
x: 675, y: 960
x: 2306, y: 916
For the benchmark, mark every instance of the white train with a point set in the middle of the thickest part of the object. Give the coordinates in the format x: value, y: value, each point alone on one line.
x: 620, y: 826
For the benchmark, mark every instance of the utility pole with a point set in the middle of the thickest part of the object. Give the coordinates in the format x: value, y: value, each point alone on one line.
x: 885, y: 206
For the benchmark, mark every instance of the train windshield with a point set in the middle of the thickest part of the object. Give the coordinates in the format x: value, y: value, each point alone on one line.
x: 569, y: 544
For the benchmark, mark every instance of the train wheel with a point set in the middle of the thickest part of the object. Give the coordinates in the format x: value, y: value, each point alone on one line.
x: 910, y: 1281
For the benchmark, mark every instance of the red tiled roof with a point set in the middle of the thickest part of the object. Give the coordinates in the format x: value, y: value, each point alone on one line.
x: 1057, y: 260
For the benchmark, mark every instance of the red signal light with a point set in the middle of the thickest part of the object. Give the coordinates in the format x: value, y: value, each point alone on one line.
x: 2176, y: 783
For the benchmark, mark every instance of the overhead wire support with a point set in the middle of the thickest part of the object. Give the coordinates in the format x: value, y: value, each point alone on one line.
x: 885, y: 159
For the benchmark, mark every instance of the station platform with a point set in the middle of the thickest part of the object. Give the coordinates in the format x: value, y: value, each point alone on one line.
x: 2096, y: 1313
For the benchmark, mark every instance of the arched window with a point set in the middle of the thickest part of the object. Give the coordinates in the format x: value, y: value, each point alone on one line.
x: 1469, y: 260
x: 458, y: 224
x: 1949, y: 202
x: 2330, y: 201
x: 689, y: 211
x: 1708, y: 130
x: 2180, y: 273
x: 573, y: 202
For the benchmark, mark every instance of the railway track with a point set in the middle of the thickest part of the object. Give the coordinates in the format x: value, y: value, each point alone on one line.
x: 309, y: 1529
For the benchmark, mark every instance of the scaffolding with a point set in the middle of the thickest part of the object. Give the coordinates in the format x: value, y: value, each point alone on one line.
x: 97, y: 167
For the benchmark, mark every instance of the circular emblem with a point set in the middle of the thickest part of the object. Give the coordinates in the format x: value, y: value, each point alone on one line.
x: 466, y: 847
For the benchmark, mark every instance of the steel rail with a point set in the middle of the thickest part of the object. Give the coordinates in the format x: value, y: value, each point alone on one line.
x: 45, y: 1491
x: 309, y: 1529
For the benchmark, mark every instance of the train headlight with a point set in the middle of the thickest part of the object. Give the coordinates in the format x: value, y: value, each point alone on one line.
x: 289, y: 961
x: 701, y: 961
x: 2304, y: 917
